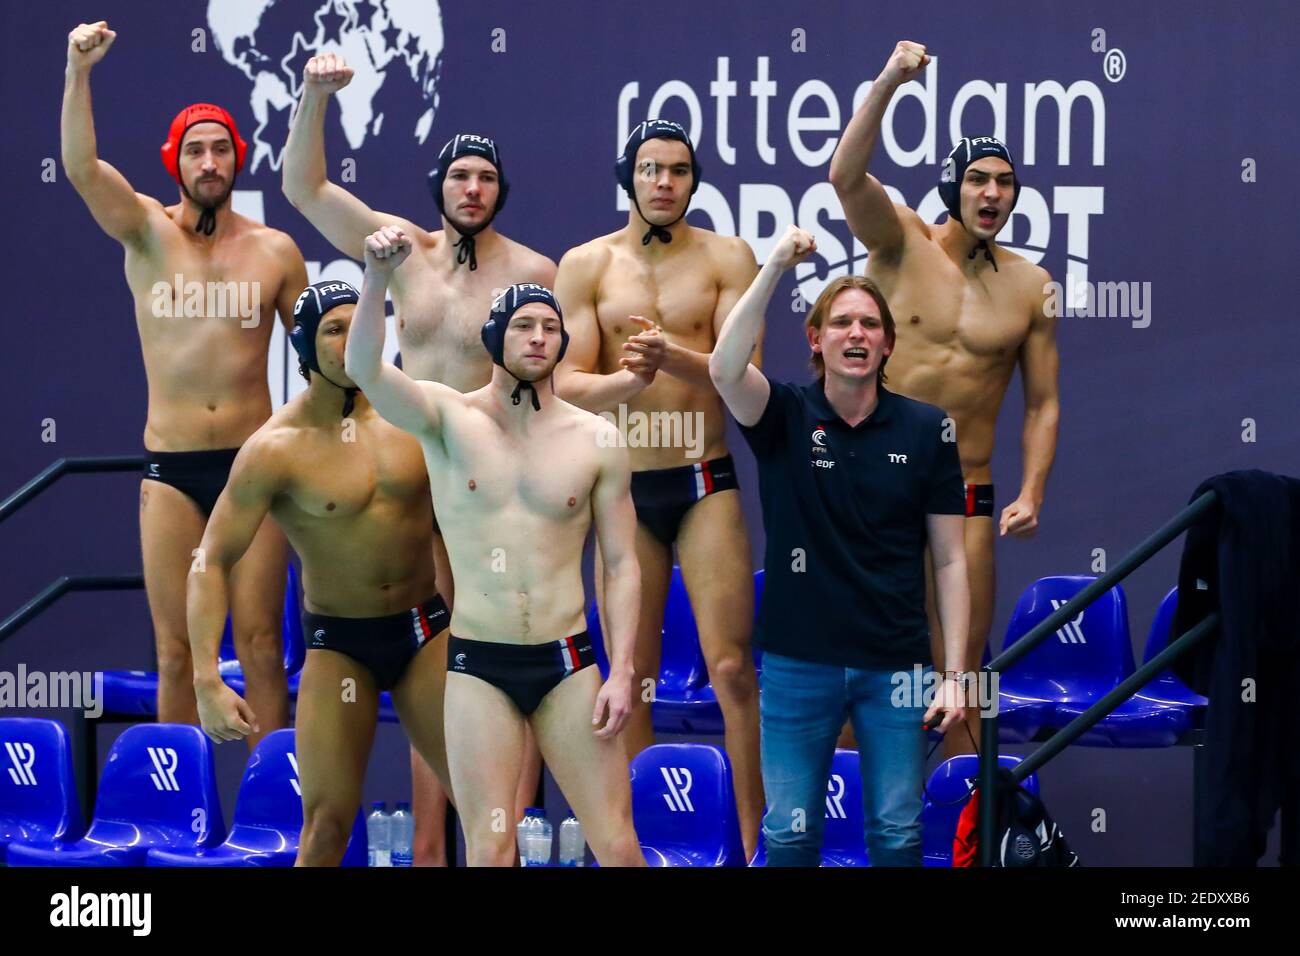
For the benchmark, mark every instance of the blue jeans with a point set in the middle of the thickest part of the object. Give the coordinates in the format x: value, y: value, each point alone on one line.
x: 802, y: 706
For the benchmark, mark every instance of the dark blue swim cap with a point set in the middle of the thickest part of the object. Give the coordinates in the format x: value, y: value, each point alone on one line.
x: 625, y: 167
x: 314, y: 302
x: 965, y: 152
x: 653, y: 129
x: 494, y: 329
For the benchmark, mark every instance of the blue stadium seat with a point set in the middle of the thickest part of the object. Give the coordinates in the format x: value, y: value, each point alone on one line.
x: 684, y: 807
x: 267, y: 824
x: 946, y: 795
x: 387, y: 709
x: 38, y: 792
x: 685, y: 701
x: 295, y: 648
x: 844, y: 843
x: 844, y: 839
x: 158, y: 789
x: 1084, y: 660
x: 136, y: 692
x: 1167, y: 688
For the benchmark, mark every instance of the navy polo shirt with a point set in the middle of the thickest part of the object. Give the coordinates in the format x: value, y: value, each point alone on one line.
x: 844, y: 509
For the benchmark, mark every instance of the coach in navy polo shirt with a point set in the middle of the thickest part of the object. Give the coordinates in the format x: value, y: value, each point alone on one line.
x: 855, y: 482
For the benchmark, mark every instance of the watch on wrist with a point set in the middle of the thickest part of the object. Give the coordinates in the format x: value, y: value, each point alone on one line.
x: 963, y: 679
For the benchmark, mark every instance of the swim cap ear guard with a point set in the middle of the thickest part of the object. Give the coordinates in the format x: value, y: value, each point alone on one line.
x: 625, y: 168
x: 171, y: 150
x: 965, y: 152
x: 314, y: 302
x: 468, y: 144
x: 493, y: 332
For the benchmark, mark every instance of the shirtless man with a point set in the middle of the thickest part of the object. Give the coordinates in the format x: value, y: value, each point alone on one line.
x: 351, y: 493
x: 519, y: 477
x: 969, y: 312
x: 206, y: 373
x: 439, y: 297
x: 644, y: 306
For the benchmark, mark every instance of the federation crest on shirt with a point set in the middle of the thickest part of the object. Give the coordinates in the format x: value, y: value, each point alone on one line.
x: 820, y: 452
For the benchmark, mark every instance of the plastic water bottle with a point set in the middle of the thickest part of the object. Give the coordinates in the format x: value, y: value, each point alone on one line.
x: 573, y: 847
x: 544, y: 841
x: 533, y: 835
x: 521, y: 836
x: 402, y: 835
x: 524, y: 830
x: 377, y: 836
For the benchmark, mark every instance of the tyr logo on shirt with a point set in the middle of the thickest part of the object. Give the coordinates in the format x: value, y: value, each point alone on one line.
x: 897, y: 459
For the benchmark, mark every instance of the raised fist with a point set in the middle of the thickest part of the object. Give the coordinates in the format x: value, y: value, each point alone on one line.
x: 326, y: 74
x: 794, y: 247
x: 88, y: 43
x: 386, y: 249
x: 906, y: 62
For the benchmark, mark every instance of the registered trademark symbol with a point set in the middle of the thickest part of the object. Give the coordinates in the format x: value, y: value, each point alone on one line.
x: 1114, y: 64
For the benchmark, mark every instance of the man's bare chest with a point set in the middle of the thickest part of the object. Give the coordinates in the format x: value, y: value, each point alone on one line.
x: 679, y: 295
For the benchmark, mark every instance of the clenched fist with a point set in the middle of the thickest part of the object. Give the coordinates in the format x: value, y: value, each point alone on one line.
x: 794, y: 247
x: 386, y: 249
x: 326, y: 74
x: 88, y: 43
x: 906, y: 63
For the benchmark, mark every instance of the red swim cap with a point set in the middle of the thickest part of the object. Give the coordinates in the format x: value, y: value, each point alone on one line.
x: 199, y: 113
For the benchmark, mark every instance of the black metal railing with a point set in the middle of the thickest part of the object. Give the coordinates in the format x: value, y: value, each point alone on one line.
x: 68, y: 582
x: 1126, y: 689
x: 67, y: 466
x: 84, y: 743
x: 63, y: 585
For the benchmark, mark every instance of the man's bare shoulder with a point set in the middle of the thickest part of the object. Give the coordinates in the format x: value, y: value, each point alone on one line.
x: 910, y: 221
x: 588, y: 423
x: 277, y: 240
x: 267, y: 453
x: 729, y: 253
x: 603, y: 437
x: 917, y: 233
x: 155, y: 207
x: 1029, y: 278
x: 529, y: 264
x: 590, y: 259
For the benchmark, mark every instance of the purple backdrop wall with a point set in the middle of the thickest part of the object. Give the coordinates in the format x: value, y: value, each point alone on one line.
x: 1144, y: 182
